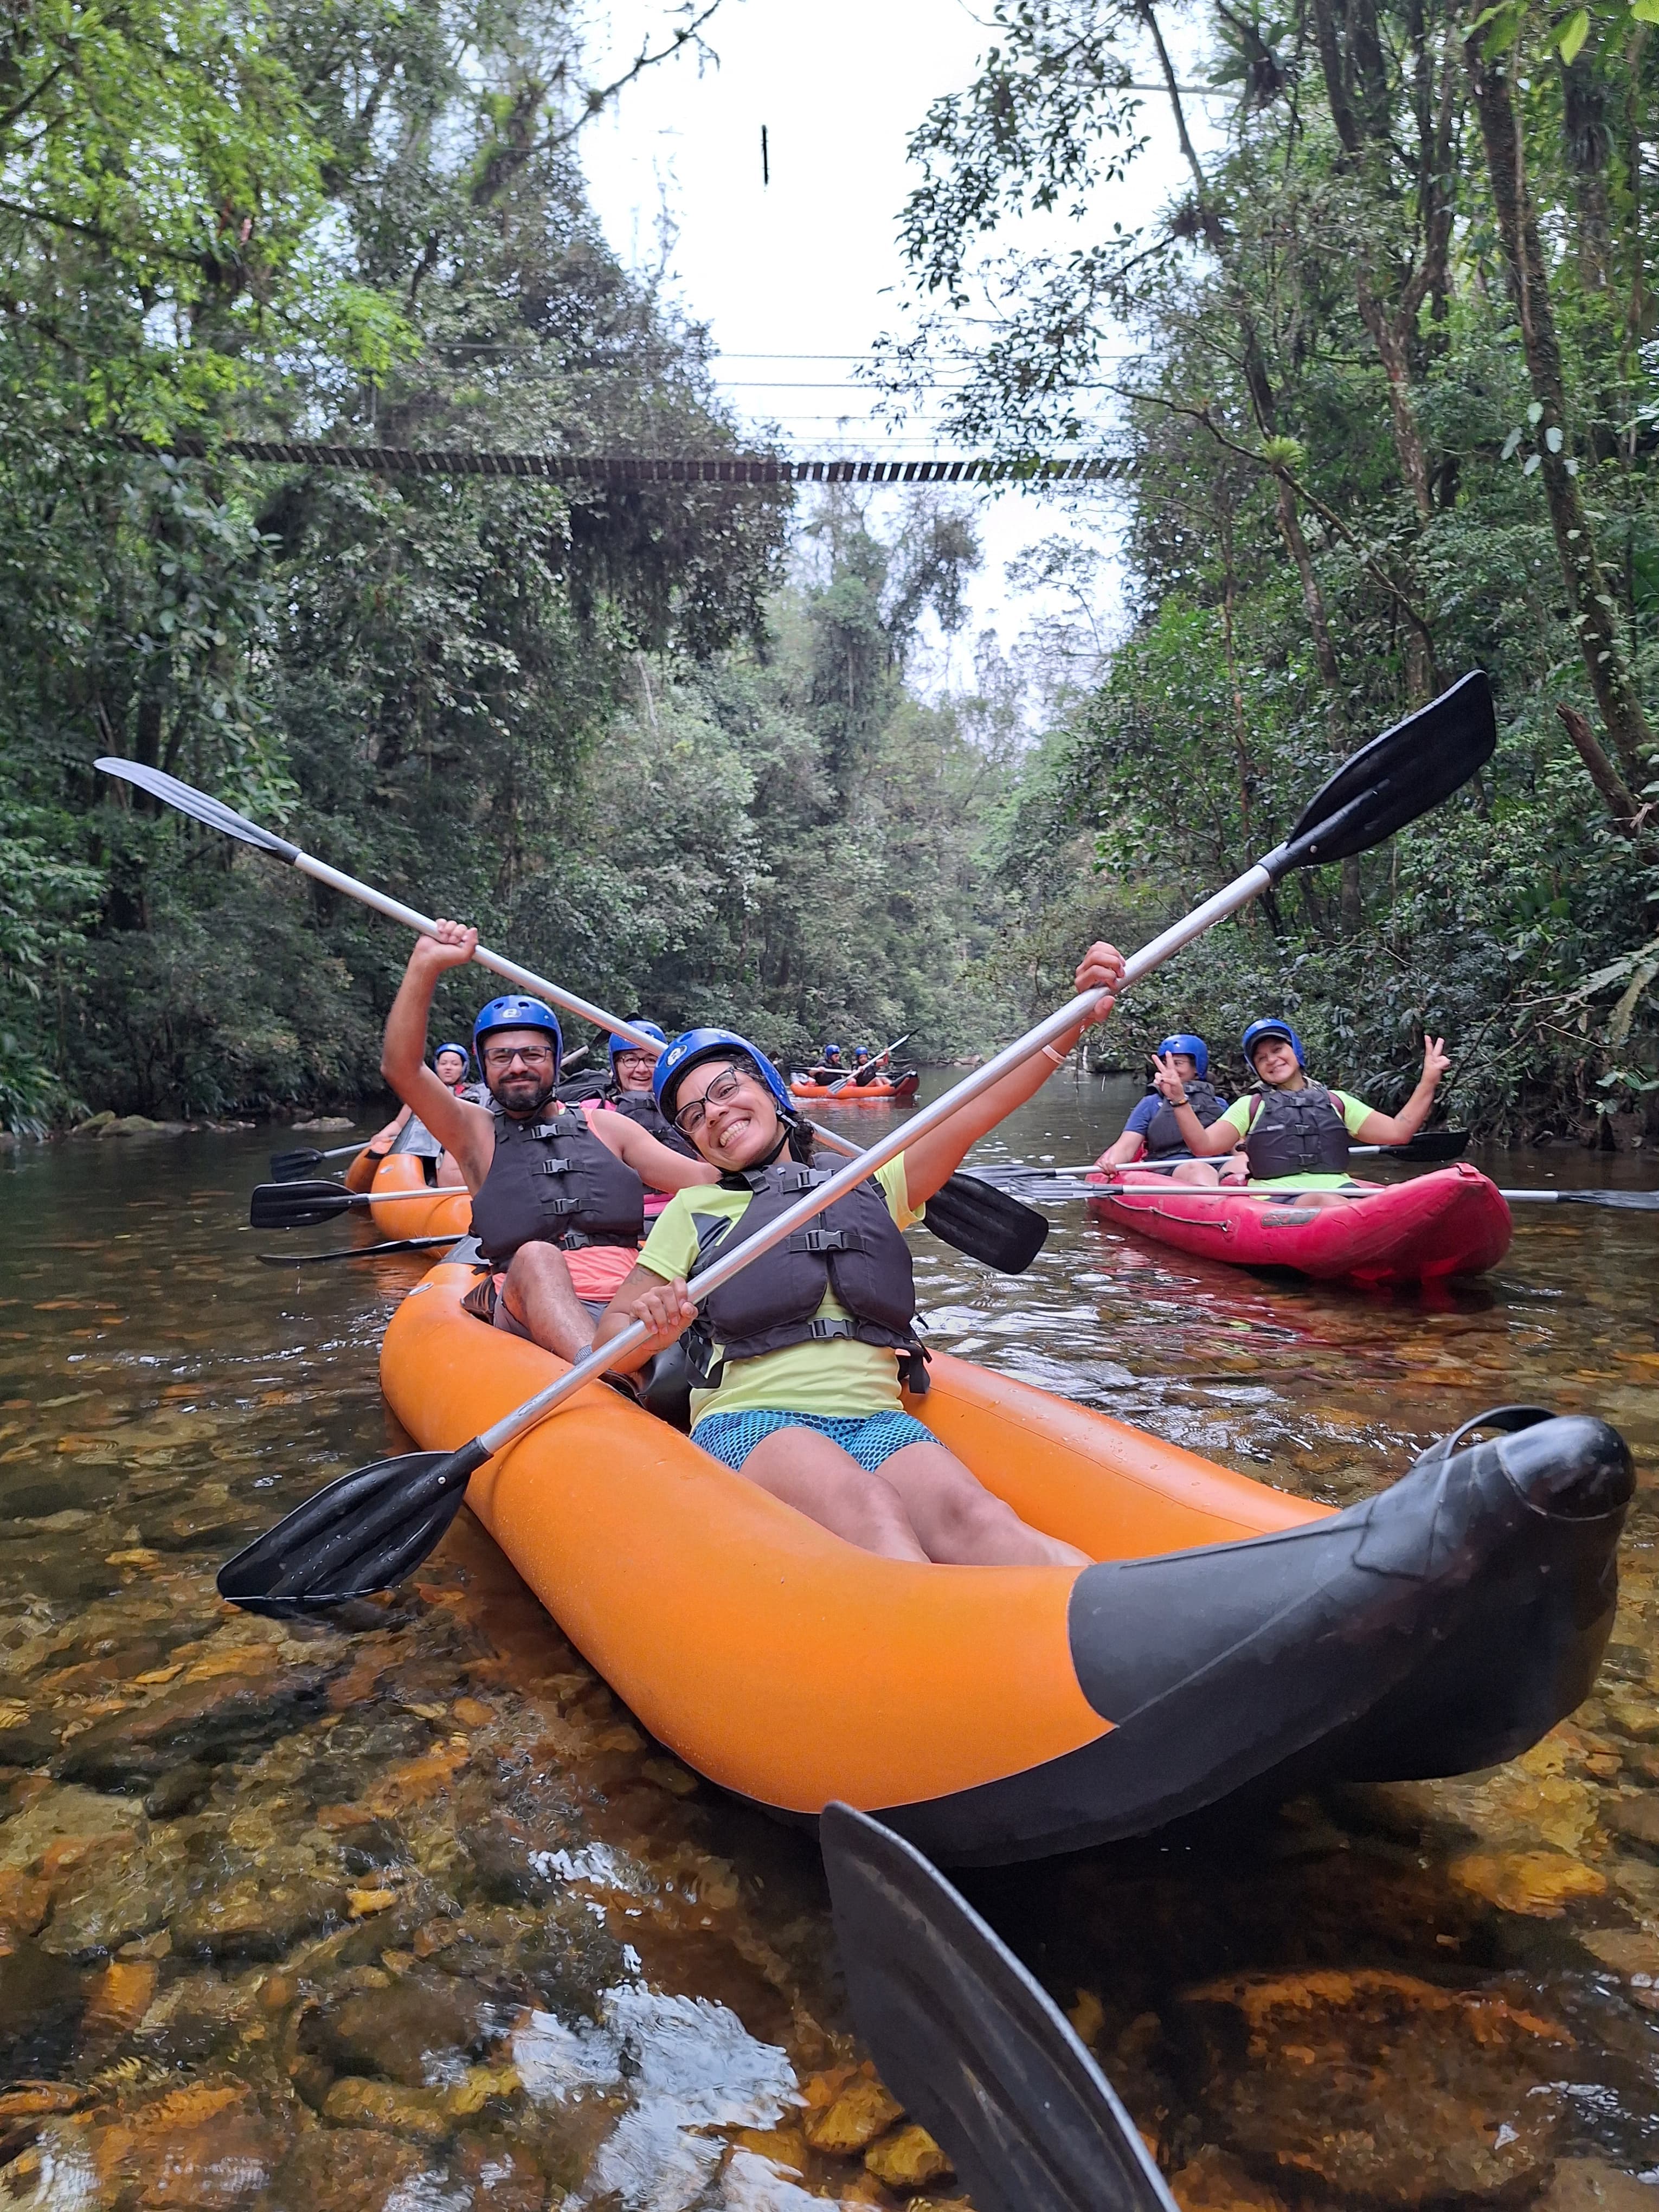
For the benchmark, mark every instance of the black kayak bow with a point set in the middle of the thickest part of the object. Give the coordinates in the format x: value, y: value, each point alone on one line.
x: 351, y: 1252
x: 970, y: 2043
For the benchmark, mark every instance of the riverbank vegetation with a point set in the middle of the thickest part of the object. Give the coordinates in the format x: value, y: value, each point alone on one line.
x: 1389, y: 414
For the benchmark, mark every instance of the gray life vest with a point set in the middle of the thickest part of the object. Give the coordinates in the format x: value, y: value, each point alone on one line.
x: 1162, y: 1135
x: 640, y: 1107
x: 553, y: 1182
x: 415, y: 1137
x: 1297, y: 1132
x: 854, y: 1250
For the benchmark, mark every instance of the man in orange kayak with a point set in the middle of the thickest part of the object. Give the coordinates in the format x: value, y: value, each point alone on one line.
x: 802, y: 1355
x: 558, y: 1194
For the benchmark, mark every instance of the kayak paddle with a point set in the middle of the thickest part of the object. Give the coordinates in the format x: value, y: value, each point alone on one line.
x: 970, y: 2043
x: 857, y: 1079
x: 285, y: 1167
x: 1632, y: 1201
x: 989, y: 1227
x: 351, y: 1252
x: 1426, y: 1145
x: 303, y: 1205
x: 1386, y: 784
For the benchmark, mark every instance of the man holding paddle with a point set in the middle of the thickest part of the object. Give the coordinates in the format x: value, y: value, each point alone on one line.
x: 558, y: 1203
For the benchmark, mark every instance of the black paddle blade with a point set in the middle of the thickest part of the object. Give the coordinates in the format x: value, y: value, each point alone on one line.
x: 987, y: 1223
x: 287, y: 1167
x: 970, y: 2043
x: 1431, y: 1145
x: 198, y: 805
x: 1633, y: 1201
x: 361, y: 1533
x: 296, y: 1205
x: 1403, y: 774
x: 351, y: 1252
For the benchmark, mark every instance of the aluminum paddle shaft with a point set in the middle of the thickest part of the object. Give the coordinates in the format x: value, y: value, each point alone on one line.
x: 1237, y: 894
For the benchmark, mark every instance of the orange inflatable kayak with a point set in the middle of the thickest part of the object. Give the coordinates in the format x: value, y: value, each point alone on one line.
x: 440, y: 1217
x: 881, y: 1090
x: 1231, y: 1636
x: 1385, y: 1235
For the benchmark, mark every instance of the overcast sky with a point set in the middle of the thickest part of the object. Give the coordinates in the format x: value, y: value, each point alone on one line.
x: 798, y: 276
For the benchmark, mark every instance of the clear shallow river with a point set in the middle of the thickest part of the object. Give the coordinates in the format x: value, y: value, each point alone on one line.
x: 411, y: 1915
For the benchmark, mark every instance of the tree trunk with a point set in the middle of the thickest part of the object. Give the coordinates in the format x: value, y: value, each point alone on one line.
x: 1587, y: 144
x: 1313, y: 599
x: 1587, y: 594
x: 1620, y: 803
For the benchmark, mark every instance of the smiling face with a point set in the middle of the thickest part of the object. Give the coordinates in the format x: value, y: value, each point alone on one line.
x: 1275, y: 1059
x: 519, y: 1067
x: 450, y: 1067
x: 729, y: 1115
x: 633, y: 1071
x: 1184, y: 1065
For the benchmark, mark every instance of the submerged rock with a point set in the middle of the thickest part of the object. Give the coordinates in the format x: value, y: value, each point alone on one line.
x: 251, y: 1919
x: 1376, y: 2085
x: 418, y: 2030
x: 200, y: 1721
x: 41, y: 2001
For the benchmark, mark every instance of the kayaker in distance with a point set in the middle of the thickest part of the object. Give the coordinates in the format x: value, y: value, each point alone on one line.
x: 452, y: 1064
x: 1151, y: 1139
x: 1291, y: 1131
x: 829, y: 1067
x: 801, y: 1355
x: 557, y: 1205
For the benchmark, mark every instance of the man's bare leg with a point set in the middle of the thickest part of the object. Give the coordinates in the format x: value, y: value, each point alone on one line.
x: 539, y: 1296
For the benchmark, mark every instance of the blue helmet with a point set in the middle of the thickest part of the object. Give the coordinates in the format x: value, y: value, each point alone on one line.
x: 442, y: 1050
x: 1257, y: 1031
x: 705, y: 1044
x: 1194, y: 1048
x: 860, y: 1051
x: 626, y: 1044
x: 514, y: 1012
x: 832, y: 1051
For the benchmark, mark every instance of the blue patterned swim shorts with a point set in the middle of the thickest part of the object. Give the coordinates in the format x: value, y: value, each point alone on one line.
x: 868, y: 1437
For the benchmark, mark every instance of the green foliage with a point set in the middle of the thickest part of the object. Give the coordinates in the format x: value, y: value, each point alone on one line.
x: 1340, y: 453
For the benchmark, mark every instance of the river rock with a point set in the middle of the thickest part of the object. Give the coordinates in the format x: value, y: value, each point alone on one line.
x: 253, y: 1918
x: 193, y: 1722
x: 181, y: 1790
x: 118, y: 1904
x: 26, y: 1738
x: 411, y: 2032
x: 909, y: 2160
x: 353, y: 2170
x: 323, y: 1122
x: 421, y: 2114
x: 41, y: 2001
x: 1590, y: 2184
x: 1374, y: 2085
x: 1635, y: 1819
x: 863, y: 2111
x: 206, y: 2148
x: 63, y: 1823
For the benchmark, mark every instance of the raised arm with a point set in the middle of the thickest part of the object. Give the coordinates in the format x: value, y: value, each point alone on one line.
x: 1400, y: 1128
x: 930, y: 1163
x: 1203, y: 1143
x: 467, y: 1130
x: 649, y: 1157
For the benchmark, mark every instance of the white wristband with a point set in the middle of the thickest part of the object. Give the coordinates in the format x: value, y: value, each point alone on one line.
x: 1059, y: 1059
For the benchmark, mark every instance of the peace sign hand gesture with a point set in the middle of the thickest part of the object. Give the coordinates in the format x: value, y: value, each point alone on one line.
x: 1171, y: 1084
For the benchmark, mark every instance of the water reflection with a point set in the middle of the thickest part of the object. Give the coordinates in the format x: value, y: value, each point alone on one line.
x: 408, y: 1912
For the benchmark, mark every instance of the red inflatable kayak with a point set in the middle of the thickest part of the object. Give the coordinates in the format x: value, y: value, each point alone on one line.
x: 1451, y: 1223
x: 881, y: 1090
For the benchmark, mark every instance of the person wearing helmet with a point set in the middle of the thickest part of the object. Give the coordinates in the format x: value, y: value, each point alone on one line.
x: 1293, y: 1133
x: 406, y: 1132
x: 1151, y: 1139
x: 557, y: 1193
x: 829, y: 1067
x: 803, y: 1357
x: 629, y: 1092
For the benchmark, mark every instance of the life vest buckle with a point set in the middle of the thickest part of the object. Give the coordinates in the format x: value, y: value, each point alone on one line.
x: 826, y: 1240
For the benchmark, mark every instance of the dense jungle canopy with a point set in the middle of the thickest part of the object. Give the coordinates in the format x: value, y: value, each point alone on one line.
x: 1390, y: 413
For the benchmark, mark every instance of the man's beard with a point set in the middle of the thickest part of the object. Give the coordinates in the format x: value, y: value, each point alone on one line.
x: 523, y: 1111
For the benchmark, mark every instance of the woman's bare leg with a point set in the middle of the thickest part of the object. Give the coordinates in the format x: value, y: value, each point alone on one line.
x: 821, y: 1481
x: 960, y: 1522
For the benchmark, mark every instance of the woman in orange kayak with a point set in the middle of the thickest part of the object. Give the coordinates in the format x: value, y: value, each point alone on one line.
x: 800, y: 1357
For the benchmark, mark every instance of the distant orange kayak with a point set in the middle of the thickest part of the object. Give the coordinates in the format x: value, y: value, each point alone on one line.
x: 444, y: 1217
x: 1231, y: 1638
x: 881, y: 1088
x: 1451, y: 1223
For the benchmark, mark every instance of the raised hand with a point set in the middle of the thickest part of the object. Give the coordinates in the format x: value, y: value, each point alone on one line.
x: 451, y: 947
x: 1435, y: 1060
x: 1171, y: 1082
x: 1100, y: 969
